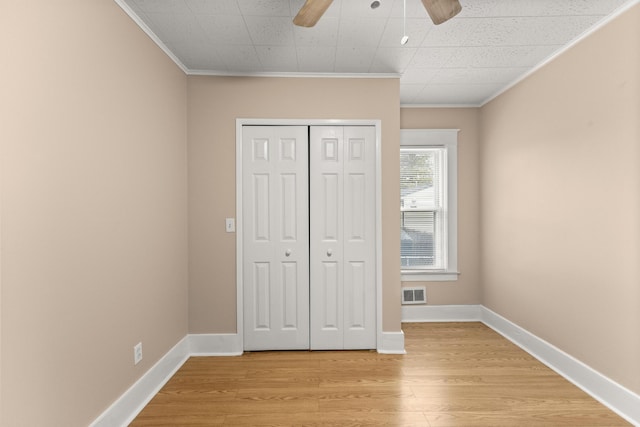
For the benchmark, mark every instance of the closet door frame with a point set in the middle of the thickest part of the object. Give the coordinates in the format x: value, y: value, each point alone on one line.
x: 239, y: 212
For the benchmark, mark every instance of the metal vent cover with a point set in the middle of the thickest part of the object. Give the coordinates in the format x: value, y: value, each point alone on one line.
x: 414, y: 295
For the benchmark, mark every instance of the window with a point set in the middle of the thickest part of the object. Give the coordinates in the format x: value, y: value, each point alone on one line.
x: 428, y: 220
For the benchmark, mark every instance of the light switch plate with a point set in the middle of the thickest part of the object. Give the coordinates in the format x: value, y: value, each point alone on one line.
x: 230, y: 225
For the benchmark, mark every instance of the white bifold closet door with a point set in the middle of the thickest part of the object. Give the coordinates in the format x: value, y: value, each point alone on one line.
x: 342, y: 255
x: 275, y: 206
x: 309, y: 237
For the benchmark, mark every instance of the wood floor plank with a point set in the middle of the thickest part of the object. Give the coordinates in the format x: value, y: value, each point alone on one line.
x: 454, y: 374
x: 311, y: 419
x: 520, y: 419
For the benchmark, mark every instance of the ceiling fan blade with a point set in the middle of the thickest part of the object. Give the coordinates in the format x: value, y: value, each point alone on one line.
x: 311, y: 12
x: 442, y: 10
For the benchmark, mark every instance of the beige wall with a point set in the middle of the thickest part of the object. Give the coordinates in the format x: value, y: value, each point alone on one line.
x: 214, y: 105
x: 94, y: 225
x: 561, y: 202
x: 466, y: 290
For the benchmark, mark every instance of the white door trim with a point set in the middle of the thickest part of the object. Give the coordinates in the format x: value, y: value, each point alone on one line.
x: 239, y: 249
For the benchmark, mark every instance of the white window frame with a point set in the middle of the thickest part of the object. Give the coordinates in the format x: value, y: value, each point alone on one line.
x: 447, y: 138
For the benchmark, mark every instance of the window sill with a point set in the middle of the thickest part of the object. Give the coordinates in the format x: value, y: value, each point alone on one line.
x: 423, y: 276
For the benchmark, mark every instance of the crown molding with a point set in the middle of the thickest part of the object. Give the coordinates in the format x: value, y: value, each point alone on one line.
x: 151, y: 34
x: 604, y: 21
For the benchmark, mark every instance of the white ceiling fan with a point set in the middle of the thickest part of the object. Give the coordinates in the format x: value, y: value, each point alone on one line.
x: 439, y: 11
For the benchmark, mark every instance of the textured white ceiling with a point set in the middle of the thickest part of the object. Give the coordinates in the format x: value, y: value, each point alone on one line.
x: 464, y: 61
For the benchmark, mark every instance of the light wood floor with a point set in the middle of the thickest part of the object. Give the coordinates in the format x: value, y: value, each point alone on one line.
x: 455, y: 374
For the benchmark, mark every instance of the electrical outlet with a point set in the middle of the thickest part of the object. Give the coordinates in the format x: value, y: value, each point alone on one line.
x: 137, y: 353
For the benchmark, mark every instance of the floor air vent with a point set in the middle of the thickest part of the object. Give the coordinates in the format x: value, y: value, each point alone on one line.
x: 414, y: 295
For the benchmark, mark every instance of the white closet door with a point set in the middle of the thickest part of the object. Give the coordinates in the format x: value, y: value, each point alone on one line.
x: 342, y: 251
x: 275, y: 237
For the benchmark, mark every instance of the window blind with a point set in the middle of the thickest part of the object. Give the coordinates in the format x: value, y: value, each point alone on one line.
x: 422, y: 207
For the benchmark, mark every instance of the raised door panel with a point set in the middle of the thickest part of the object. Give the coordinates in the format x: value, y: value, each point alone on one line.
x: 261, y: 281
x: 260, y: 215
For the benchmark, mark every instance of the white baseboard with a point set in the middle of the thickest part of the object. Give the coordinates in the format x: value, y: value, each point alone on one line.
x: 215, y: 345
x: 124, y: 410
x: 619, y: 399
x: 391, y: 343
x: 441, y: 313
